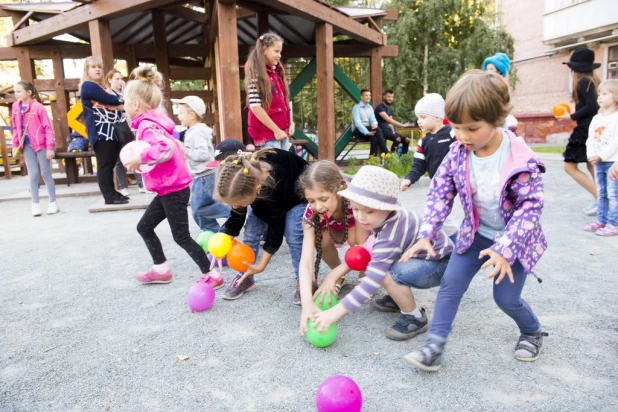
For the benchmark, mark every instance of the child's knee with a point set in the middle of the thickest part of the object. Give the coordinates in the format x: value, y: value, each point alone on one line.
x: 505, y: 301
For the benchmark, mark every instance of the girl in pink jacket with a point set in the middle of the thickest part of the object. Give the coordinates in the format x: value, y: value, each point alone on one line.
x: 169, y: 179
x: 34, y: 137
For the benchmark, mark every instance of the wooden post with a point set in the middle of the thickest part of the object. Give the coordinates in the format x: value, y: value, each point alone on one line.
x: 326, y: 91
x: 5, y: 155
x: 131, y: 61
x: 161, y: 57
x: 24, y: 62
x: 262, y: 23
x: 228, y: 79
x: 375, y: 70
x: 101, y: 43
x: 62, y: 101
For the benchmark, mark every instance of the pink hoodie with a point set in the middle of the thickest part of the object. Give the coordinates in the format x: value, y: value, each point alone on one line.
x: 170, y: 173
x: 40, y: 131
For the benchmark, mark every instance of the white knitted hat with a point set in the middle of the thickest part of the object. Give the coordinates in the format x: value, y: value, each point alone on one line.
x: 374, y: 187
x: 431, y: 104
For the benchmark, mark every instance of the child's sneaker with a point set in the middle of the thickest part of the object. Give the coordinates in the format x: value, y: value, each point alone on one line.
x: 234, y: 291
x: 591, y: 209
x: 529, y: 347
x: 213, y: 278
x: 428, y: 358
x: 36, y: 209
x: 297, y: 300
x: 141, y: 190
x: 608, y: 230
x: 593, y: 227
x: 52, y: 208
x: 151, y: 276
x: 408, y: 326
x: 124, y: 192
x: 385, y: 304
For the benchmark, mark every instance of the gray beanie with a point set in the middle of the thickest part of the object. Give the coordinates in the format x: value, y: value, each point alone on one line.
x: 431, y: 104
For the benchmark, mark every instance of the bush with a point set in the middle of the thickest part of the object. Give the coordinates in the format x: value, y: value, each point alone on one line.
x: 353, y: 161
x: 373, y: 161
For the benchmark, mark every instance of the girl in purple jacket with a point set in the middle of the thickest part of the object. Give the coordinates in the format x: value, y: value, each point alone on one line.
x: 498, y: 179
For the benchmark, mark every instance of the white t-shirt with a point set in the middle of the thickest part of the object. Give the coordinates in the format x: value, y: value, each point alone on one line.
x: 603, y: 137
x: 485, y: 181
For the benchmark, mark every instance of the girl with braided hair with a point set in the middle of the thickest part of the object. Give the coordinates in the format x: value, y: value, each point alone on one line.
x: 260, y: 188
x: 328, y: 223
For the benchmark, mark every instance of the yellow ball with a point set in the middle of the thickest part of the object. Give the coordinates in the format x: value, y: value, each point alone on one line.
x: 219, y: 244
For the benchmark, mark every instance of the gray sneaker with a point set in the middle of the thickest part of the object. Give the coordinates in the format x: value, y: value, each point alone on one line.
x: 385, y: 304
x: 529, y: 347
x: 591, y: 209
x: 297, y: 300
x: 428, y: 358
x: 234, y: 291
x: 408, y: 326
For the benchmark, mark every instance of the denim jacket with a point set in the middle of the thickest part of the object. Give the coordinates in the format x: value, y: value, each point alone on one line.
x: 520, y: 204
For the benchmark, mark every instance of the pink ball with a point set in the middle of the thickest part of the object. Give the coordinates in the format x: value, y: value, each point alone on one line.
x: 339, y: 394
x: 132, y: 150
x: 201, y: 296
x: 357, y: 258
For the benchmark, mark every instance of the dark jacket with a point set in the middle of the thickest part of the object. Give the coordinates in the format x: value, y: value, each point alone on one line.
x: 98, y: 119
x: 586, y: 109
x: 276, y: 201
x: 429, y: 154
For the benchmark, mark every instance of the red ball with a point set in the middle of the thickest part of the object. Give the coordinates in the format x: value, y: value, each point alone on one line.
x: 357, y: 258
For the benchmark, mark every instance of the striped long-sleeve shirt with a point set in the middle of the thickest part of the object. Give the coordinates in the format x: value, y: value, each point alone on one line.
x: 398, y: 233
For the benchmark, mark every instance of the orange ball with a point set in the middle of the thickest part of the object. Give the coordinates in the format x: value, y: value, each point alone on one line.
x: 240, y: 253
x: 561, y: 108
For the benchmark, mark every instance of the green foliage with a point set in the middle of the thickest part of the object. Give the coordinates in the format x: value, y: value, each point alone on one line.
x: 353, y: 161
x: 373, y: 161
x: 396, y: 165
x: 407, y: 160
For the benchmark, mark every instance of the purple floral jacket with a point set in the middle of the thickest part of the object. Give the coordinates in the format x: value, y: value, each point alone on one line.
x: 521, y: 203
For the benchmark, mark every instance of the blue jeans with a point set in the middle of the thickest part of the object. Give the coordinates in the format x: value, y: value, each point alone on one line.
x: 419, y: 273
x: 607, y: 190
x: 459, y: 273
x: 279, y: 144
x: 204, y: 208
x: 254, y: 229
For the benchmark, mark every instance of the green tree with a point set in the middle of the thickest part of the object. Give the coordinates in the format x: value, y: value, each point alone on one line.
x: 438, y: 41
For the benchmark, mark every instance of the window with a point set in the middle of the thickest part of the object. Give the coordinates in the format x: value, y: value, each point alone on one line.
x: 612, y: 63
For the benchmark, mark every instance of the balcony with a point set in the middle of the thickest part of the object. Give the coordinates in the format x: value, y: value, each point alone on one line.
x: 568, y: 21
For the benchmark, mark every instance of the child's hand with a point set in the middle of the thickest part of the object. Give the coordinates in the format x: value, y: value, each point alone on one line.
x: 49, y: 154
x: 250, y: 148
x: 421, y: 245
x: 326, y: 288
x: 500, y: 264
x: 613, y: 172
x: 253, y: 270
x: 280, y: 135
x: 291, y: 129
x: 565, y: 116
x: 405, y: 184
x: 322, y: 320
x: 594, y: 159
x: 306, y: 315
x: 134, y: 163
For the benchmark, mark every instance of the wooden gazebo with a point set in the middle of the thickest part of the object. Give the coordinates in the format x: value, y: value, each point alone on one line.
x: 199, y: 40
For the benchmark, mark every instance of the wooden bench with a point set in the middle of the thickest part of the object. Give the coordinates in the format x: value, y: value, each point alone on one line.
x: 71, y: 168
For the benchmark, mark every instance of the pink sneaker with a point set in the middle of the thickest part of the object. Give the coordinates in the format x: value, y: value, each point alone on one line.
x: 153, y: 277
x: 593, y: 227
x: 213, y: 278
x: 608, y: 230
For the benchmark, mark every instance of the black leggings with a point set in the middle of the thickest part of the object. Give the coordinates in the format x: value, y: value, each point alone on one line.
x: 106, y: 152
x: 389, y: 134
x: 172, y: 206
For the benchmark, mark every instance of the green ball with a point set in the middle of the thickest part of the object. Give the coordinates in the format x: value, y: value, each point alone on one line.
x: 321, y: 340
x: 203, y: 239
x: 325, y: 306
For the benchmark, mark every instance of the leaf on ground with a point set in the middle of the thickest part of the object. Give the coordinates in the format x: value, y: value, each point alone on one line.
x: 182, y: 357
x: 594, y: 253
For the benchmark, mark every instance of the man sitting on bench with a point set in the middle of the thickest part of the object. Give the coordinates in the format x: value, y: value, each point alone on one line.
x: 365, y: 126
x: 384, y: 114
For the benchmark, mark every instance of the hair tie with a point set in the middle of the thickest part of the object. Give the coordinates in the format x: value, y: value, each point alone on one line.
x: 235, y: 162
x: 261, y: 37
x: 253, y: 159
x: 223, y: 162
x: 245, y: 171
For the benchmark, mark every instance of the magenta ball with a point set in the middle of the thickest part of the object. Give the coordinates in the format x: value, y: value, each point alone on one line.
x: 339, y: 394
x: 201, y: 296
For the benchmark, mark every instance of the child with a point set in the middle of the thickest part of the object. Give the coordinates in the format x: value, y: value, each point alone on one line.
x: 328, y: 223
x: 269, y: 118
x: 265, y: 181
x: 169, y: 179
x: 585, y: 83
x: 498, y: 179
x: 199, y: 151
x: 602, y: 151
x: 373, y: 193
x: 435, y: 145
x: 34, y: 137
x: 101, y: 111
x: 115, y: 85
x: 499, y: 64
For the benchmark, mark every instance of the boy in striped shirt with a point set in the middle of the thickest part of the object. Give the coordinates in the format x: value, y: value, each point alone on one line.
x: 373, y: 194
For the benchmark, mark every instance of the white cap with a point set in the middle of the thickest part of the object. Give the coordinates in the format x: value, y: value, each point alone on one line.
x: 195, y: 103
x: 431, y: 104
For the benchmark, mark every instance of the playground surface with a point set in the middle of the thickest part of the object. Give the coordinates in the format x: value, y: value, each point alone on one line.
x: 80, y: 333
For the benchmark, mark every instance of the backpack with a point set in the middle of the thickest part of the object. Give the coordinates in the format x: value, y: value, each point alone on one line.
x: 77, y: 143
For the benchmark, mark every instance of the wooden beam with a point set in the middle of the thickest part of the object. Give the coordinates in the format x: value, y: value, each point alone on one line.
x: 189, y: 73
x: 62, y: 101
x: 318, y: 12
x: 48, y: 85
x: 131, y: 60
x: 230, y: 120
x: 73, y: 19
x: 375, y: 75
x: 187, y: 14
x: 262, y: 23
x: 8, y: 53
x: 26, y: 64
x: 340, y: 50
x: 22, y: 21
x: 101, y: 43
x: 5, y: 155
x: 391, y: 14
x: 242, y: 13
x: 326, y: 90
x: 205, y: 95
x: 160, y: 43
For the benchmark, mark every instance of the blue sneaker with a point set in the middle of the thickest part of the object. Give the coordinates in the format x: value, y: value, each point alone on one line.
x: 428, y: 358
x: 385, y: 304
x: 408, y: 326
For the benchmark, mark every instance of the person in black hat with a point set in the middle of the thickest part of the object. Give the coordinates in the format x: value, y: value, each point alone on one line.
x: 585, y: 83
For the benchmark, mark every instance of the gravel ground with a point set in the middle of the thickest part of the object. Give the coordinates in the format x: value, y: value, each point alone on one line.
x: 79, y: 333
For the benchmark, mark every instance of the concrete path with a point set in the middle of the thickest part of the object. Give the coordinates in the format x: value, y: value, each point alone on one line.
x: 78, y: 333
